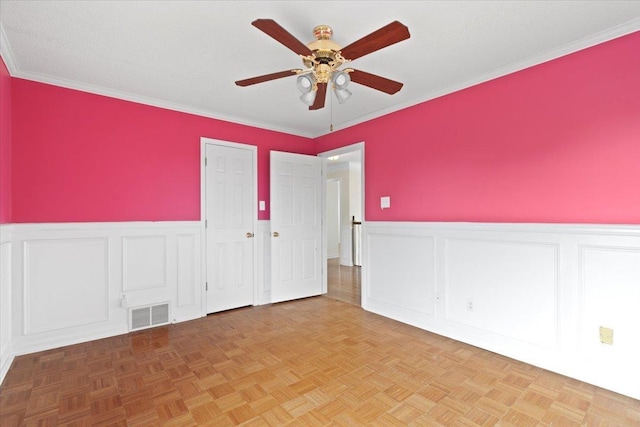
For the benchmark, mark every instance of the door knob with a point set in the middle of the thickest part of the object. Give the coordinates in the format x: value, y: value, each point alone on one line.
x: 276, y: 234
x: 249, y: 235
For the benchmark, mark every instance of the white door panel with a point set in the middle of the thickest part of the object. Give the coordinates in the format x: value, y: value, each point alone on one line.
x: 229, y: 233
x: 296, y: 239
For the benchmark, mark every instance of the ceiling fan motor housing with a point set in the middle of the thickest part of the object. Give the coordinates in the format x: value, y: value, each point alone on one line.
x: 326, y: 57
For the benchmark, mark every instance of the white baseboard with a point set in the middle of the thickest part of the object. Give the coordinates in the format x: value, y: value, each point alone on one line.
x: 6, y: 348
x: 534, y: 292
x: 6, y: 359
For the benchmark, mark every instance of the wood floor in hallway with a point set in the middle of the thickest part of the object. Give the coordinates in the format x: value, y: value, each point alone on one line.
x: 344, y: 283
x: 312, y: 362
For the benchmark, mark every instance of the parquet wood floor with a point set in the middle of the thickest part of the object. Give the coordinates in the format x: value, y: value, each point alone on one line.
x: 344, y: 283
x: 312, y: 362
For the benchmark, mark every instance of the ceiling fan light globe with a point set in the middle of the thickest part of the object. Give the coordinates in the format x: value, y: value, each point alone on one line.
x: 343, y: 95
x: 341, y: 79
x: 308, y: 97
x: 305, y: 83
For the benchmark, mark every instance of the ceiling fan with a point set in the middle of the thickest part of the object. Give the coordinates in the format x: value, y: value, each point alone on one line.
x: 323, y: 58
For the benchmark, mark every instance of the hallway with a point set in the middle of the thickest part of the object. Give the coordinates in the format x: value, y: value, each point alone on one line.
x: 344, y: 282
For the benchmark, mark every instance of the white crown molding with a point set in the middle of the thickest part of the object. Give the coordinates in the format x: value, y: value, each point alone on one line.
x: 569, y: 48
x: 6, y: 53
x: 126, y: 96
x: 584, y: 43
x: 14, y: 71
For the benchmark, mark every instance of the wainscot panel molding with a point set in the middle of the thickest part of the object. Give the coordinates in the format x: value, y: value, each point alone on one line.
x: 75, y: 282
x: 6, y: 347
x: 82, y: 265
x: 538, y: 293
x: 144, y: 262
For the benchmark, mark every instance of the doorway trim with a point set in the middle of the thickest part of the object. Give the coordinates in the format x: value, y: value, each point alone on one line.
x: 358, y: 146
x: 204, y: 141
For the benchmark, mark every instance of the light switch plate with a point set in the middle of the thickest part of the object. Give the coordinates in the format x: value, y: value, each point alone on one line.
x: 385, y: 202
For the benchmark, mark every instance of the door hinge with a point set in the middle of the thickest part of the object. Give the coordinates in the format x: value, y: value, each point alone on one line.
x: 205, y: 161
x: 206, y: 286
x: 206, y: 223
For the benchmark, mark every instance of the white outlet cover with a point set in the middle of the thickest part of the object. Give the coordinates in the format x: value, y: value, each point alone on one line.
x: 261, y: 205
x: 385, y: 202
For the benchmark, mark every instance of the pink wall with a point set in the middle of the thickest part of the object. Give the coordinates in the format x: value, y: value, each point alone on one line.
x: 5, y: 144
x: 79, y: 157
x: 559, y: 142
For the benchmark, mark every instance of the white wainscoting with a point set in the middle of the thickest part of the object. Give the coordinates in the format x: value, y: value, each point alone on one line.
x: 144, y: 262
x: 66, y: 283
x: 188, y: 276
x: 6, y: 348
x: 535, y: 292
x: 67, y: 280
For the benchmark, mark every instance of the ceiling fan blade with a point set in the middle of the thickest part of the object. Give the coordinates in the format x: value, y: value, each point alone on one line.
x: 375, y: 82
x: 385, y: 36
x: 275, y: 31
x: 321, y: 95
x: 267, y: 77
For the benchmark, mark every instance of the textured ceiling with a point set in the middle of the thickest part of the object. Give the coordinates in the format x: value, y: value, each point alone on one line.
x: 186, y: 55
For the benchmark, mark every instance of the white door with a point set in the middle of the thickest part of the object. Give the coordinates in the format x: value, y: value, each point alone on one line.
x: 229, y: 181
x: 296, y: 226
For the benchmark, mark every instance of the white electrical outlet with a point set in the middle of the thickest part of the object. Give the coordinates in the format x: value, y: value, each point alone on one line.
x: 385, y: 202
x: 469, y: 305
x: 606, y: 335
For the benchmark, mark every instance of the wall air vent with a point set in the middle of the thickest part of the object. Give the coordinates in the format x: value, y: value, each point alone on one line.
x: 147, y: 316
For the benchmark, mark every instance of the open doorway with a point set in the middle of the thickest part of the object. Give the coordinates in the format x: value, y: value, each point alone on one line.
x: 344, y: 212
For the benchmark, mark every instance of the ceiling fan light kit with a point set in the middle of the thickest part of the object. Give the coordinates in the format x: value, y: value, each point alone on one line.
x: 323, y: 58
x: 308, y: 97
x: 305, y: 83
x: 340, y: 80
